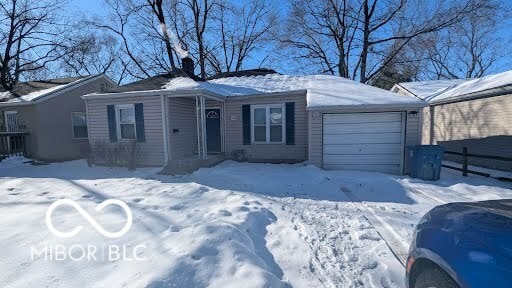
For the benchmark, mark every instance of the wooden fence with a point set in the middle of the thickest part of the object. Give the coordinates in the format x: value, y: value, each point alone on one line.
x: 465, y: 161
x: 13, y: 144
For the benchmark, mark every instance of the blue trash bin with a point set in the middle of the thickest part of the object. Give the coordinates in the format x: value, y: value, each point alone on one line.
x: 425, y: 161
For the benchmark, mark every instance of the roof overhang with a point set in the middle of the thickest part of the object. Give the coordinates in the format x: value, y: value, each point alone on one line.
x: 498, y: 91
x: 59, y: 91
x: 160, y: 92
x: 361, y: 107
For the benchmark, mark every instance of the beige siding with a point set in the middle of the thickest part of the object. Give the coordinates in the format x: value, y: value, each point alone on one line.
x: 152, y: 150
x: 182, y: 127
x: 315, y: 132
x: 267, y: 152
x: 484, y: 126
x: 50, y: 126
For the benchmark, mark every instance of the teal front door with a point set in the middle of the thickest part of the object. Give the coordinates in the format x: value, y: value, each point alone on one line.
x: 213, y: 138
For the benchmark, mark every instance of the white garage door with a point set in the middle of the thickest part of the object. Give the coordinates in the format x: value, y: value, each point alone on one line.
x: 363, y: 141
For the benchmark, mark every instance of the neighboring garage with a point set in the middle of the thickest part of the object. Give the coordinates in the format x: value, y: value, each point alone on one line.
x: 364, y: 141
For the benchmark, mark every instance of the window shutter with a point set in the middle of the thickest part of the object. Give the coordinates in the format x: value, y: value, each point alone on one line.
x: 112, y: 126
x: 139, y: 122
x: 290, y: 123
x: 246, y: 122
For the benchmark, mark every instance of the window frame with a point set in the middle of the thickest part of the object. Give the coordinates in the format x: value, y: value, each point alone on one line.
x: 73, y: 126
x: 118, y: 109
x: 268, y: 123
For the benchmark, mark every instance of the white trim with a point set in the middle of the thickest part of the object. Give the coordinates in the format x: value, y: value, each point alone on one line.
x: 118, y: 107
x: 403, y: 140
x: 163, y: 104
x: 87, y: 119
x: 203, y: 128
x: 65, y: 88
x: 73, y: 126
x: 267, y: 108
x: 168, y: 93
x: 198, y: 130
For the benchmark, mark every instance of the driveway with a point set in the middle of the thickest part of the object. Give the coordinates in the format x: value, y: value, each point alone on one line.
x: 233, y: 225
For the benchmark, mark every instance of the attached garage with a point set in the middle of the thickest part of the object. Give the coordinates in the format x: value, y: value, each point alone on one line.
x: 364, y: 141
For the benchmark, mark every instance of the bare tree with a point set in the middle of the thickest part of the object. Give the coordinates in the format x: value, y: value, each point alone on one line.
x: 469, y: 48
x: 357, y: 39
x: 90, y: 53
x: 242, y: 29
x: 30, y: 37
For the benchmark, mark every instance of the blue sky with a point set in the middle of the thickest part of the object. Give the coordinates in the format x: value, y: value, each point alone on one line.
x: 96, y: 6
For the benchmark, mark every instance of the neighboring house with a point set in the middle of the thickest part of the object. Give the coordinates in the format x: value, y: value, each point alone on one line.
x: 472, y: 113
x: 51, y: 114
x: 333, y: 122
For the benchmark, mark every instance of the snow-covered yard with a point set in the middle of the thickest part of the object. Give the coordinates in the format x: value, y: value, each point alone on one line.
x: 233, y: 225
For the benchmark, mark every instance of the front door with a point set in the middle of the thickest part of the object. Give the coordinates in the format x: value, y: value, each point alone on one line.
x: 213, y: 130
x: 11, y: 121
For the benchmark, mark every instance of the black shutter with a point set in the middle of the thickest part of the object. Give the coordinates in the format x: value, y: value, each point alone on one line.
x: 290, y: 123
x: 112, y: 126
x: 246, y: 122
x: 139, y: 122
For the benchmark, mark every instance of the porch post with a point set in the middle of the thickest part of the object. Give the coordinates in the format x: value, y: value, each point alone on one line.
x: 203, y: 128
x: 199, y: 153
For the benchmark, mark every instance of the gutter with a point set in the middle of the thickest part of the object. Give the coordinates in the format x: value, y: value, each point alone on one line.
x: 161, y: 92
x: 367, y: 106
x: 487, y: 93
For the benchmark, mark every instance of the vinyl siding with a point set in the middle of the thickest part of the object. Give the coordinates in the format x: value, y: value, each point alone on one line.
x: 152, y: 150
x: 50, y: 126
x: 182, y: 116
x: 482, y: 125
x: 267, y: 152
x: 316, y: 133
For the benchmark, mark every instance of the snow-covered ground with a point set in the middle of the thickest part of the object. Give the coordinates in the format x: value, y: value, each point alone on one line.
x: 233, y: 225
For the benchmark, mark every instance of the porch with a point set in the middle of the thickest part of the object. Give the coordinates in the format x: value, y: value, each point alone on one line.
x: 195, y: 132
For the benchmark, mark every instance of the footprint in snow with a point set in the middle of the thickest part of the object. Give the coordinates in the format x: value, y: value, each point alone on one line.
x: 42, y: 193
x: 175, y: 228
x: 370, y: 265
x: 11, y: 189
x: 176, y: 207
x: 243, y: 208
x: 225, y: 212
x: 369, y: 236
x: 87, y: 196
x: 137, y: 200
x: 14, y: 194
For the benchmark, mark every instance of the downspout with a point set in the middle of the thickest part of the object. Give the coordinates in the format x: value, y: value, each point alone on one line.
x: 164, y: 129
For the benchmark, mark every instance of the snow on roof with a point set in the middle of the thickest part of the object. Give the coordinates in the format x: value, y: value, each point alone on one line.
x: 322, y: 90
x: 35, y: 91
x: 474, y: 86
x: 453, y: 89
x: 423, y: 89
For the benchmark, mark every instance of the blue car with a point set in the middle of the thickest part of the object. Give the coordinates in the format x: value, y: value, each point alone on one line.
x: 463, y: 245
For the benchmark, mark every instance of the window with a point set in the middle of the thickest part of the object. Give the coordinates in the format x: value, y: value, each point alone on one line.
x: 79, y: 121
x: 125, y: 115
x: 267, y: 123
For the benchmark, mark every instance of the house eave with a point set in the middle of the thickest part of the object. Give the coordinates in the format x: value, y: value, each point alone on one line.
x: 493, y: 92
x: 160, y: 92
x: 57, y: 92
x: 390, y: 106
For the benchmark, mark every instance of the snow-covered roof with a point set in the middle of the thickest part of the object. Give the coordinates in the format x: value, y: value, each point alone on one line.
x: 475, y: 86
x: 31, y: 91
x: 322, y: 90
x: 455, y: 89
x: 424, y: 89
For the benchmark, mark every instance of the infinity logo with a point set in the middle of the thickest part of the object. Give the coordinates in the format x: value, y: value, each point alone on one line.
x: 88, y: 217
